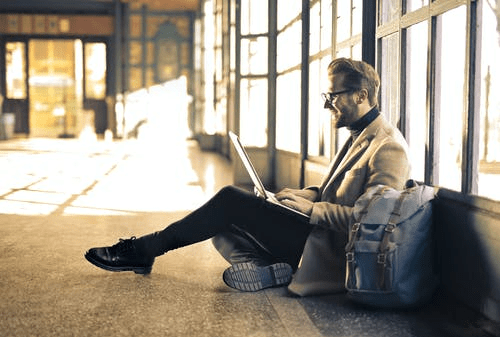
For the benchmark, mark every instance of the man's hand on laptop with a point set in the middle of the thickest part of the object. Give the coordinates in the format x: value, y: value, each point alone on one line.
x: 308, y: 194
x: 297, y: 199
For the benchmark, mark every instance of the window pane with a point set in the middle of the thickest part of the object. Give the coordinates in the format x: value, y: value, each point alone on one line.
x: 15, y: 59
x: 356, y: 52
x: 412, y: 5
x: 287, y: 11
x: 253, y: 112
x: 315, y: 27
x: 389, y: 10
x: 135, y: 23
x: 95, y: 70
x: 319, y: 143
x: 289, y: 47
x: 325, y: 116
x: 315, y: 107
x: 209, y: 116
x: 254, y: 56
x: 389, y: 78
x: 254, y: 17
x: 135, y: 52
x: 345, y: 52
x: 326, y: 24
x: 416, y: 87
x: 449, y: 96
x: 489, y: 155
x: 288, y: 112
x: 343, y: 20
x: 197, y: 50
x: 135, y: 78
x: 357, y: 17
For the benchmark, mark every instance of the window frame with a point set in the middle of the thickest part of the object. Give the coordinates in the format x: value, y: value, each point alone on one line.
x: 430, y: 12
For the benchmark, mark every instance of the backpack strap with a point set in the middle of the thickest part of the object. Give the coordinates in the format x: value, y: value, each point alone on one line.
x: 389, y: 229
x: 349, y: 249
x: 363, y: 213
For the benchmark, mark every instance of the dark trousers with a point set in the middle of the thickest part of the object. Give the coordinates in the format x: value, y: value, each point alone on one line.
x: 243, y: 226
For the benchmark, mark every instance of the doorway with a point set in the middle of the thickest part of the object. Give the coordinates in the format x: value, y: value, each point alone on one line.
x: 56, y: 87
x: 55, y: 84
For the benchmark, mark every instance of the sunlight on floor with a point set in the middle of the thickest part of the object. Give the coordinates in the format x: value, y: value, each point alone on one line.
x: 150, y: 172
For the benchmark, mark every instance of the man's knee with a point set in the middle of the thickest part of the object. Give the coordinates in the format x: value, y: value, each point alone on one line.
x: 228, y: 190
x: 236, y: 248
x: 219, y: 241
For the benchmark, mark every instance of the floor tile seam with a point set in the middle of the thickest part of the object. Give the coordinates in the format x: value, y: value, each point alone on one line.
x: 85, y: 191
x: 73, y: 196
x: 26, y: 187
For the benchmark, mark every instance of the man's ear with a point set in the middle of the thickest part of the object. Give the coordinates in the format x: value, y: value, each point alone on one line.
x: 362, y: 95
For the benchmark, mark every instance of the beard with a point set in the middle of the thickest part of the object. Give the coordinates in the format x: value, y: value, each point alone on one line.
x: 340, y: 117
x: 339, y: 122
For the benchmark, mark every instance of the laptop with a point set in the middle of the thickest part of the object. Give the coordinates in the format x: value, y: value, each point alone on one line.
x: 259, y: 186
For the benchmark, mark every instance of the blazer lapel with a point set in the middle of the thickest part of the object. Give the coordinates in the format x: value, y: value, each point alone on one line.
x: 359, y: 146
x: 339, y: 157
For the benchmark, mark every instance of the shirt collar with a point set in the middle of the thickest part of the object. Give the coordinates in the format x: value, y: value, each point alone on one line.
x: 358, y: 126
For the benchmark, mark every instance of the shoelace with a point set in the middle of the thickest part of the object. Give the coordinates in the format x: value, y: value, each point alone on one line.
x: 125, y: 245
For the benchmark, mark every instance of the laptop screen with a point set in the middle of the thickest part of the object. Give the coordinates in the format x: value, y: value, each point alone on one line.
x: 248, y: 164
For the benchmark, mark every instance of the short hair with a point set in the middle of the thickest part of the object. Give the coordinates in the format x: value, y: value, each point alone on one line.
x: 358, y: 75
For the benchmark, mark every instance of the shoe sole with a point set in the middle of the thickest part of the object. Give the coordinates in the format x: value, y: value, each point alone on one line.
x: 137, y: 270
x: 249, y: 277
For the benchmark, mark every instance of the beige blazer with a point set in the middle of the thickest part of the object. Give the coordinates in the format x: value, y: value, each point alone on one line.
x: 378, y: 156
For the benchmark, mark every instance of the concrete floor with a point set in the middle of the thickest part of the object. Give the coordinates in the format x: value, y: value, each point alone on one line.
x: 60, y: 197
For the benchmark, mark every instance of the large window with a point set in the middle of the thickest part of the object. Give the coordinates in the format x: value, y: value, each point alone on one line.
x: 431, y: 79
x: 416, y: 97
x: 389, y: 74
x: 349, y: 26
x: 320, y: 55
x: 197, y: 123
x: 449, y: 104
x: 288, y: 111
x: 221, y: 68
x: 489, y: 148
x: 288, y: 83
x: 253, y: 83
x: 253, y: 101
x: 347, y: 43
x: 210, y: 118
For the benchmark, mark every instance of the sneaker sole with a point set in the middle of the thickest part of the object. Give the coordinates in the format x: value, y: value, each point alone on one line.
x: 137, y: 270
x: 249, y: 277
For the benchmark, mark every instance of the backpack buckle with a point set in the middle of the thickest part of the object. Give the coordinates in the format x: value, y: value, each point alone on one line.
x: 349, y: 257
x: 381, y: 258
x: 390, y: 228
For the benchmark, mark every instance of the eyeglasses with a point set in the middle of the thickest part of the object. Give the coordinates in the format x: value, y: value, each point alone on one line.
x: 330, y: 97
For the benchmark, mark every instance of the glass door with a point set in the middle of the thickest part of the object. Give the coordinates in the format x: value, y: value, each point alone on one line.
x: 52, y: 86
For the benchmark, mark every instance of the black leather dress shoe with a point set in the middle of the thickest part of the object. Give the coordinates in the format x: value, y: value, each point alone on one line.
x: 123, y: 256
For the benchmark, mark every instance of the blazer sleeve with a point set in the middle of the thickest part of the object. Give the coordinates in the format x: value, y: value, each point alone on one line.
x: 387, y: 165
x: 333, y: 216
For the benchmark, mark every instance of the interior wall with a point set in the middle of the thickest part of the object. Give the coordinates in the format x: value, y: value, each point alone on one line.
x: 468, y: 246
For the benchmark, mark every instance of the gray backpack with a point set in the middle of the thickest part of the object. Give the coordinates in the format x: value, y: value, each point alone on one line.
x: 390, y: 249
